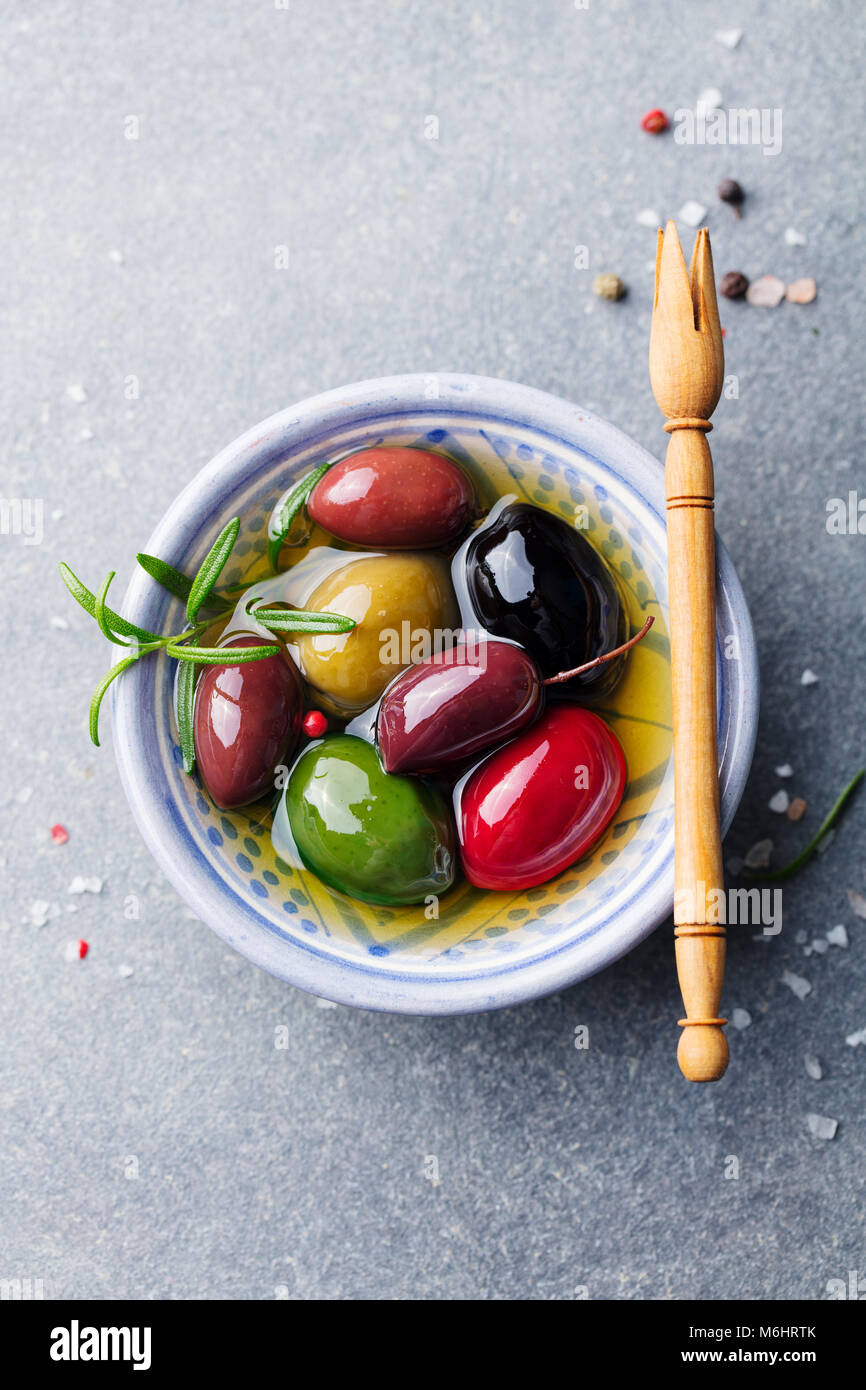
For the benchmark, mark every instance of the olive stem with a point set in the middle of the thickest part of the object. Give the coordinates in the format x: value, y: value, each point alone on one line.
x: 600, y: 660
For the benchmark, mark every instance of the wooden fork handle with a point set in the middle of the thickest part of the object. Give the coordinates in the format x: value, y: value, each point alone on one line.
x: 699, y: 879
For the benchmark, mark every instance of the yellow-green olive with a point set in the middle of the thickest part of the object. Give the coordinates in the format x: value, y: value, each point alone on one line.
x: 404, y: 609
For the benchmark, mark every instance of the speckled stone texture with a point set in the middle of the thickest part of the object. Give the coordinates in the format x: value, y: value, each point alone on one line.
x: 156, y: 1143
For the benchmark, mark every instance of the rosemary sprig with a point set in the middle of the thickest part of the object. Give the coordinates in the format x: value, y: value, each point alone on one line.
x: 183, y: 646
x: 806, y: 854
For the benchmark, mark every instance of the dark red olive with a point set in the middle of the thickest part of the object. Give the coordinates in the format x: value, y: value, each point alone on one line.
x: 535, y: 806
x: 247, y: 719
x: 538, y: 581
x: 455, y: 703
x: 394, y: 498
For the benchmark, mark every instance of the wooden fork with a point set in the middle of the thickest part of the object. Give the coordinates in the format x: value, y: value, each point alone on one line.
x: 687, y: 373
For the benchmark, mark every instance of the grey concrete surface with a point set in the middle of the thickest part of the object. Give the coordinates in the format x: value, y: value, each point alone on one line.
x: 155, y: 1143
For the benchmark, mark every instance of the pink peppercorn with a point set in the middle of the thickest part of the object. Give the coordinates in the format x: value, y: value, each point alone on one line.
x: 655, y: 121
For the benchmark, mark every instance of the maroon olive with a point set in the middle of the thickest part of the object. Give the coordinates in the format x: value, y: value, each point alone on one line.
x: 247, y: 719
x: 394, y: 498
x: 455, y: 703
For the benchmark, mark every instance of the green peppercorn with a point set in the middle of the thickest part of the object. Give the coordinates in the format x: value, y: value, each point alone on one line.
x: 608, y: 286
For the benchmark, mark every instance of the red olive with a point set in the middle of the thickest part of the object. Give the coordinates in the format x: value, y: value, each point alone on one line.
x: 394, y: 498
x: 535, y: 806
x: 247, y: 719
x: 455, y: 703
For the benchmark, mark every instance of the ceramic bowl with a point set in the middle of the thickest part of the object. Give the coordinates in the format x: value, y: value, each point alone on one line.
x: 485, y: 950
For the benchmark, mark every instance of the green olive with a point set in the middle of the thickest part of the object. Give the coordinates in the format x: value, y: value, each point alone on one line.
x: 377, y: 837
x: 404, y: 608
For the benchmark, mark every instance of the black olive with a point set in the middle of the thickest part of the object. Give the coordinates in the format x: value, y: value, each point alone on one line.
x: 535, y: 579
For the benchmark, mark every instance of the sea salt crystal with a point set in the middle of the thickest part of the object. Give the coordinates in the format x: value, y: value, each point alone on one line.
x: 741, y: 1018
x: 820, y: 946
x: 794, y: 238
x: 856, y: 1039
x: 797, y: 984
x: 766, y: 292
x: 710, y: 99
x: 858, y: 903
x: 838, y: 936
x: 648, y: 218
x: 813, y: 1066
x: 116, y: 257
x: 692, y: 213
x: 124, y: 971
x: 41, y: 912
x: 76, y: 393
x: 728, y: 38
x: 808, y: 678
x: 785, y: 770
x: 85, y: 885
x: 758, y: 856
x: 60, y: 623
x: 822, y: 1126
x: 779, y: 802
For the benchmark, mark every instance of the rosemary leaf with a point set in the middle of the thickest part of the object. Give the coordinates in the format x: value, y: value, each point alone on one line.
x: 82, y: 595
x: 287, y: 509
x: 101, y: 615
x: 220, y: 656
x: 100, y: 691
x: 286, y: 620
x: 166, y: 575
x: 211, y: 568
x: 185, y: 705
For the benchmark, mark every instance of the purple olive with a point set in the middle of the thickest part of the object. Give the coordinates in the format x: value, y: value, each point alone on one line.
x: 247, y: 720
x: 455, y: 703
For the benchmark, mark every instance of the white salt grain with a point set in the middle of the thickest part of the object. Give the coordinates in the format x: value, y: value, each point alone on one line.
x: 741, y: 1018
x: 39, y: 912
x: 124, y: 971
x: 728, y: 38
x: 785, y: 770
x: 822, y: 1127
x: 693, y: 214
x: 855, y: 1039
x: 808, y: 678
x: 858, y: 903
x: 72, y: 951
x: 116, y: 257
x: 797, y: 984
x: 813, y: 1066
x: 779, y: 802
x: 710, y: 99
x: 758, y: 856
x: 820, y: 946
x: 60, y: 623
x: 838, y: 936
x: 648, y: 218
x: 85, y: 885
x: 76, y: 393
x: 794, y: 238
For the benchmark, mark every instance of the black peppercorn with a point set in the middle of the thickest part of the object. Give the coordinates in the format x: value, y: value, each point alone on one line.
x: 734, y: 284
x: 731, y: 192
